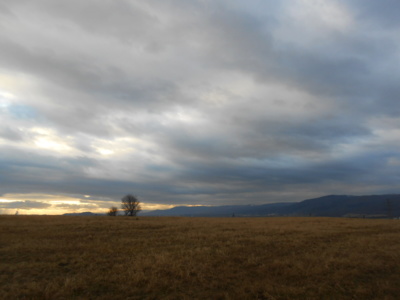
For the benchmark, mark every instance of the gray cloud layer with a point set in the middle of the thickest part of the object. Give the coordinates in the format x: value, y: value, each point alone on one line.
x: 25, y: 204
x: 199, y: 102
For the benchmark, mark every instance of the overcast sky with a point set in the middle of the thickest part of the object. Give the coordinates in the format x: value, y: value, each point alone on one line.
x: 206, y: 102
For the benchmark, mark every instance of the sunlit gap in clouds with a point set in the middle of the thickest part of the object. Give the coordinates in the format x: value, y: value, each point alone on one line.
x: 50, y: 140
x: 49, y: 204
x: 39, y: 204
x: 47, y: 139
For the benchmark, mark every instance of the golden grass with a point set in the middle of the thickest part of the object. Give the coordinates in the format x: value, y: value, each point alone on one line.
x: 60, y: 257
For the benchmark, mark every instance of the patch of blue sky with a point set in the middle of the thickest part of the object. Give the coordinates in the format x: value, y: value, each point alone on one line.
x: 21, y: 111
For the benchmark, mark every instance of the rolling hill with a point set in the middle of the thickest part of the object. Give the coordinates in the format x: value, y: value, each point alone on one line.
x: 372, y: 206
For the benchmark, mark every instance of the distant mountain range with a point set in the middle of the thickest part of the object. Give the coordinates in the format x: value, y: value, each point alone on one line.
x: 374, y: 206
x: 86, y: 213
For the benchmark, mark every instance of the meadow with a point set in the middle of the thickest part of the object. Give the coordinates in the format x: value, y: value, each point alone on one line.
x: 74, y: 257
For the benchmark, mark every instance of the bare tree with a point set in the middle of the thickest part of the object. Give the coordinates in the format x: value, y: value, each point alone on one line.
x: 130, y: 205
x: 113, y: 211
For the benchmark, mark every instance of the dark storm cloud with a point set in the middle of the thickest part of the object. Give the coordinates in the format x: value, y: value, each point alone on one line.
x: 202, y: 102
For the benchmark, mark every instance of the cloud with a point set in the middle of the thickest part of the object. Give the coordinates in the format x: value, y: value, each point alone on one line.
x: 198, y: 102
x: 381, y: 16
x: 10, y: 134
x: 25, y: 205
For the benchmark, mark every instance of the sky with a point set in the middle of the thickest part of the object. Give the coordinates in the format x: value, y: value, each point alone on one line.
x: 185, y: 102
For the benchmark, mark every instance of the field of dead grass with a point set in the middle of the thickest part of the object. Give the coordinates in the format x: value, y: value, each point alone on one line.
x: 60, y: 257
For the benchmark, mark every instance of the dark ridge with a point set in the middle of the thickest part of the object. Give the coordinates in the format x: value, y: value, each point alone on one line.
x: 372, y: 206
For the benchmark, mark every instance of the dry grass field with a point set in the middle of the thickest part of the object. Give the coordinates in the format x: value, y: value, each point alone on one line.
x: 60, y: 257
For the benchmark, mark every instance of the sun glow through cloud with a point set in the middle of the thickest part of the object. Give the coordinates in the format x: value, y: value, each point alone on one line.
x: 49, y: 143
x: 105, y: 152
x: 50, y: 204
